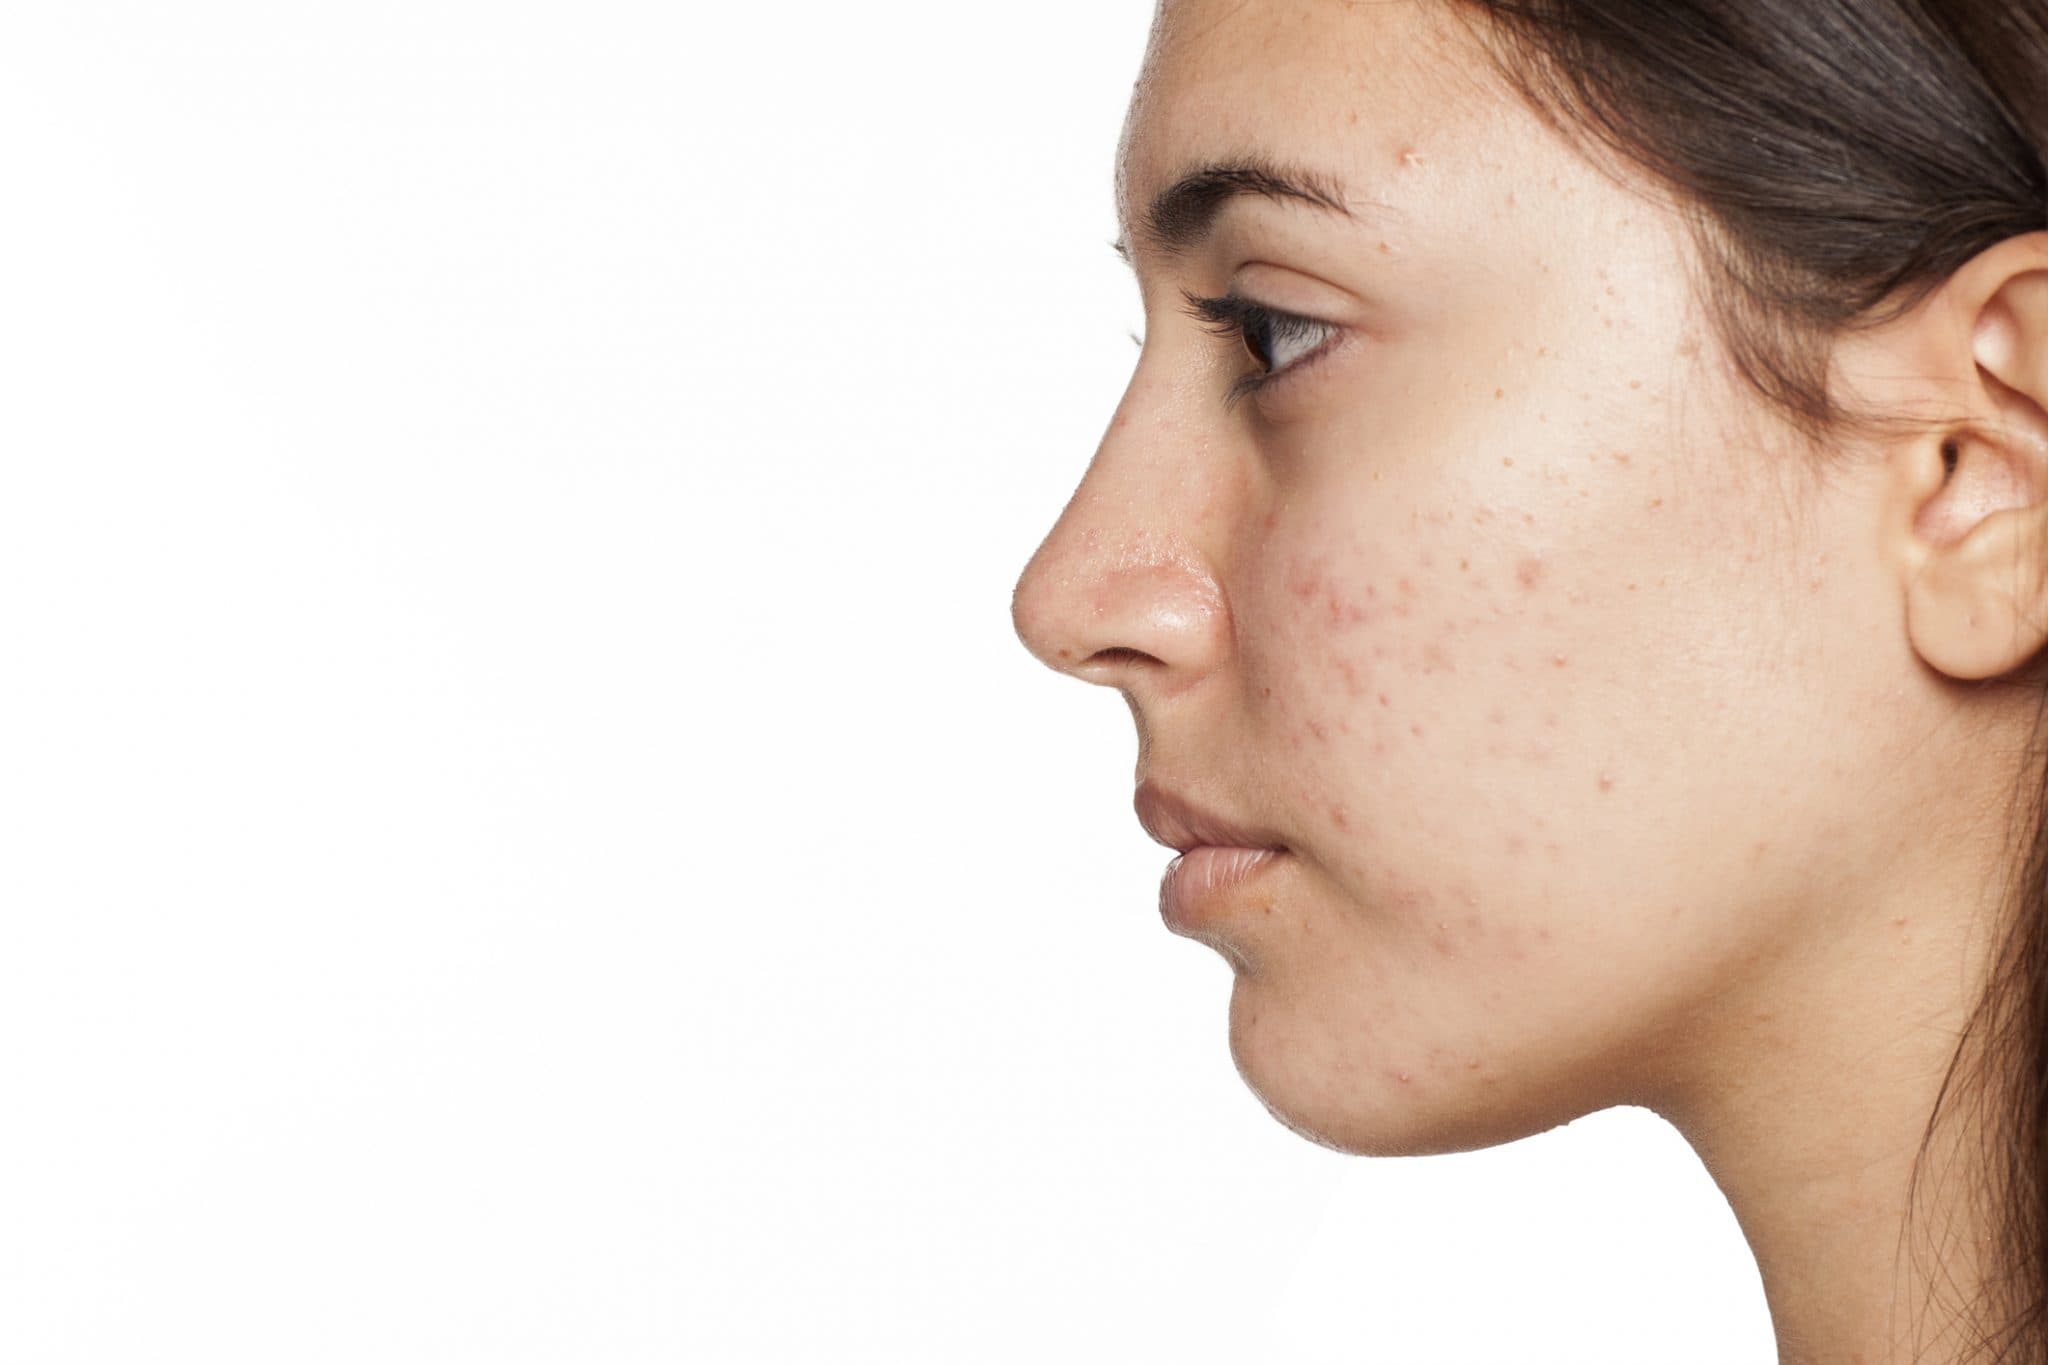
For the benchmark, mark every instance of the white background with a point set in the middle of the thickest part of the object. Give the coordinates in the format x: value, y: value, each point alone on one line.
x: 528, y: 835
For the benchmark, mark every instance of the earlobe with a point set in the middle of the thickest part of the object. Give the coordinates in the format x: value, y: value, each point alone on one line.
x: 1975, y: 607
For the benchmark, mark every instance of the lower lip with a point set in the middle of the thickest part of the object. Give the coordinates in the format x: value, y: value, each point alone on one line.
x: 1198, y: 881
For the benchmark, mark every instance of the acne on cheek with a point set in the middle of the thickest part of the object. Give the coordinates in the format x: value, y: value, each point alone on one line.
x: 1365, y: 627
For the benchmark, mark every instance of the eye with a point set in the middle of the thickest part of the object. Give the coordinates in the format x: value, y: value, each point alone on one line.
x: 1279, y: 343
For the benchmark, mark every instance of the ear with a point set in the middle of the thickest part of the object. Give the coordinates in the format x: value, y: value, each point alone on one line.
x: 1975, y: 490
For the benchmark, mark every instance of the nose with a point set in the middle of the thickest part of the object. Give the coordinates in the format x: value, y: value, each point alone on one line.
x: 1124, y: 587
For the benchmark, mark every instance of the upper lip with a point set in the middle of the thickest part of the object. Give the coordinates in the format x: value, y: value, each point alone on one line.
x: 1179, y: 823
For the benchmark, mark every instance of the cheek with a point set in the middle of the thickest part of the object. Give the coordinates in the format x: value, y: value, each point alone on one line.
x: 1430, y: 696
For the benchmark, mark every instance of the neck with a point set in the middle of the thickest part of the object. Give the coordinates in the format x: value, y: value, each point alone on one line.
x: 1807, y: 1093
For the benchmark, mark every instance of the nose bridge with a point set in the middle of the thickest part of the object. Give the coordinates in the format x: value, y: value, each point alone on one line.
x: 1124, y: 581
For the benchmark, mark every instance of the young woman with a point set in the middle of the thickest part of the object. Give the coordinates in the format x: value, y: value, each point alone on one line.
x: 1575, y: 547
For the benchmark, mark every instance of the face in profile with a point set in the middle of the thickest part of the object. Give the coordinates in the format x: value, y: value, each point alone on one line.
x: 1434, y: 539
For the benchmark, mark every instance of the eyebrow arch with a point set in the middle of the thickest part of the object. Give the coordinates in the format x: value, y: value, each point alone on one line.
x: 1185, y: 212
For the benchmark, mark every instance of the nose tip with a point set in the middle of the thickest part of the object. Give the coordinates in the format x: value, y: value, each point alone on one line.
x: 1100, y: 610
x: 1032, y: 616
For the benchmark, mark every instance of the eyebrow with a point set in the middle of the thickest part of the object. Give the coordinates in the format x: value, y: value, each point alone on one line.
x: 1183, y: 214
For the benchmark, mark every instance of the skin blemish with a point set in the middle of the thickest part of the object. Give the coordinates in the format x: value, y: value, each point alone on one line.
x: 1559, y: 660
x: 1315, y: 727
x: 1305, y: 582
x: 1404, y: 1078
x: 1529, y: 573
x: 1606, y: 783
x: 1338, y: 816
x: 1383, y: 700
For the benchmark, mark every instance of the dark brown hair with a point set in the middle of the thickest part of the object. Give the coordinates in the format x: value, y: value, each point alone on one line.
x: 1837, y: 161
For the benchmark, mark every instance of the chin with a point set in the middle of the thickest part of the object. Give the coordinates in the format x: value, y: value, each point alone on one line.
x: 1354, y: 1099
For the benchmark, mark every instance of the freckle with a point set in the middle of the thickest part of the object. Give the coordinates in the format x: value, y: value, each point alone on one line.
x: 1411, y: 157
x: 1265, y: 691
x: 1529, y: 572
x: 1655, y: 503
x: 1066, y: 653
x: 1472, y: 1065
x: 1621, y: 457
x: 1498, y: 392
x: 1898, y: 919
x: 1542, y: 350
x: 1631, y: 587
x: 1383, y: 699
x: 1415, y: 730
x: 1635, y: 383
x: 1506, y: 462
x: 1606, y: 783
x: 1464, y: 563
x: 1384, y: 247
x: 1371, y: 591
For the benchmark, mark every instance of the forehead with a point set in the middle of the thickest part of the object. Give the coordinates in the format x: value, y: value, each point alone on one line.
x: 1332, y: 83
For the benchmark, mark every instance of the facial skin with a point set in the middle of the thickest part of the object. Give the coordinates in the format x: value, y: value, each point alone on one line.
x: 1621, y: 757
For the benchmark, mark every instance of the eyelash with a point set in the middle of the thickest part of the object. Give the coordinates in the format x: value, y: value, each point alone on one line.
x: 1236, y: 318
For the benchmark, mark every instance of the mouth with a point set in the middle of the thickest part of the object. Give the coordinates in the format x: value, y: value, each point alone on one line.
x: 1196, y: 889
x: 1180, y: 824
